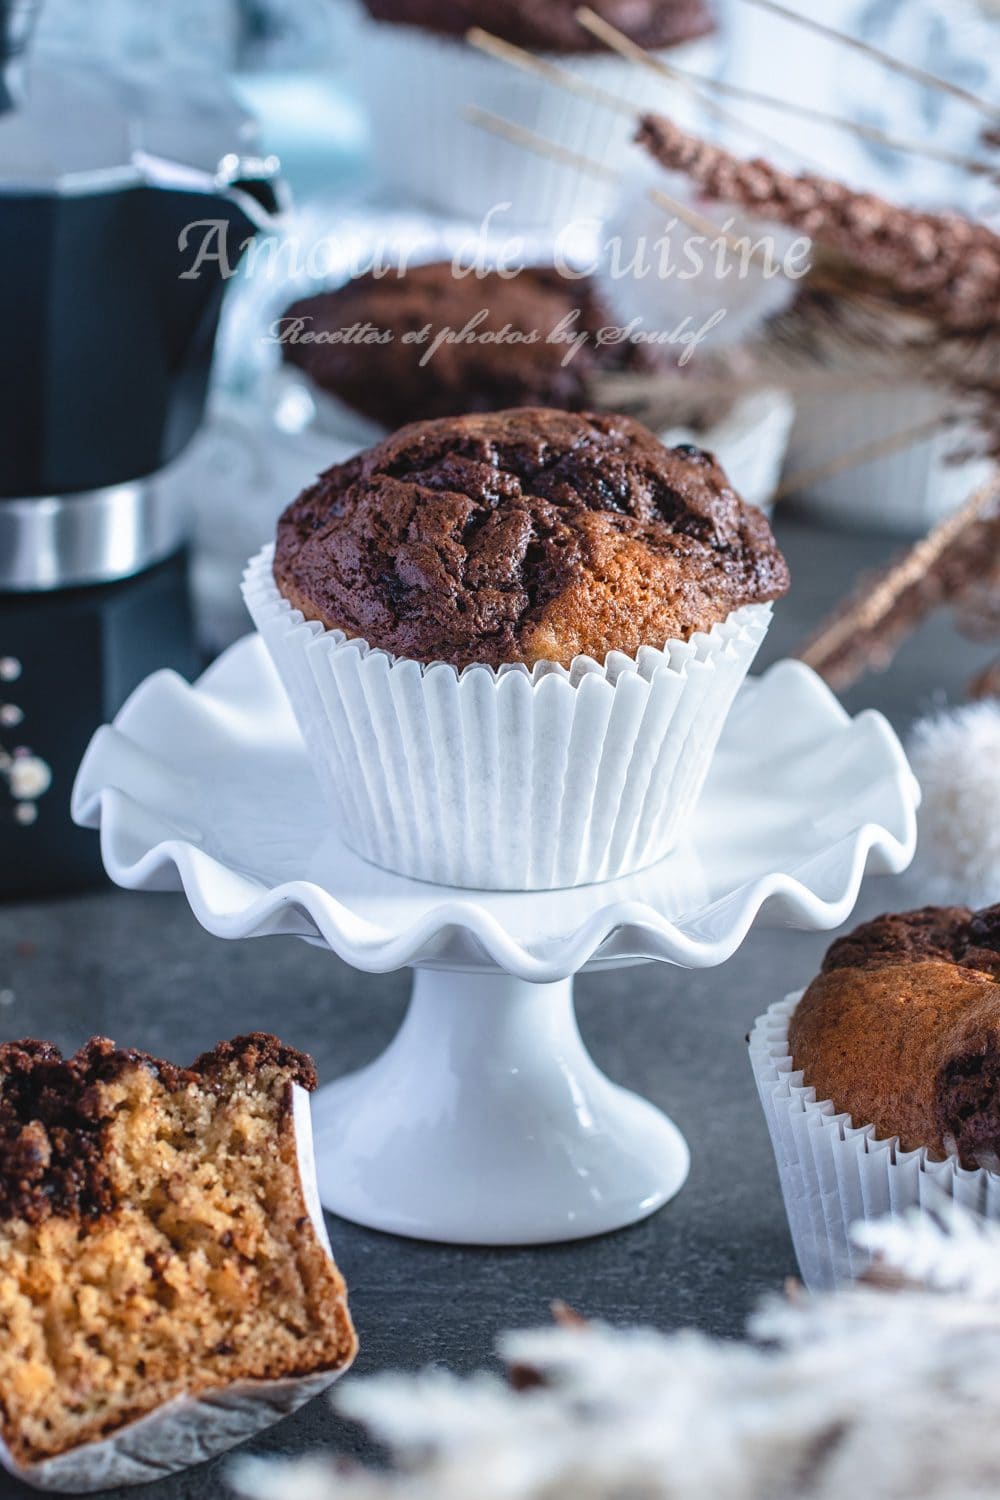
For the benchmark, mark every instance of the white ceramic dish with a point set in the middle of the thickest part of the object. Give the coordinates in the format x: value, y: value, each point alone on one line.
x: 208, y: 789
x: 512, y: 779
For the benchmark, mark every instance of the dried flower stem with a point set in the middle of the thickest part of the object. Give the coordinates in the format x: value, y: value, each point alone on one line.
x: 986, y: 684
x: 896, y: 442
x: 971, y: 164
x: 622, y: 44
x: 704, y: 88
x: 519, y: 135
x: 530, y: 62
x: 874, y: 608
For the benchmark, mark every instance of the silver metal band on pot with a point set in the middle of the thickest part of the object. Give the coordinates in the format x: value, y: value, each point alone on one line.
x: 66, y: 541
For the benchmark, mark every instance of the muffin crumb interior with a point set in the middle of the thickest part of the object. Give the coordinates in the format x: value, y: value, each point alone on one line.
x: 154, y: 1237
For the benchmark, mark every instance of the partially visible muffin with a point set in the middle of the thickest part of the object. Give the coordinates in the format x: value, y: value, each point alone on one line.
x: 552, y: 26
x: 524, y: 536
x: 518, y: 353
x: 901, y: 1030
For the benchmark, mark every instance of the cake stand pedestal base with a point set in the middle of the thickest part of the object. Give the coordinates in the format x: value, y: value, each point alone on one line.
x: 487, y: 1122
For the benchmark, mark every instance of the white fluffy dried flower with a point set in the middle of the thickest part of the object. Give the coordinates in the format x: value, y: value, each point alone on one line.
x: 956, y: 758
x: 878, y: 1394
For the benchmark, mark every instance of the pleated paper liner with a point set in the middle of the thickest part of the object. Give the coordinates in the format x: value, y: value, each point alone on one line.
x: 907, y: 491
x: 835, y: 1173
x: 415, y: 85
x: 509, y: 779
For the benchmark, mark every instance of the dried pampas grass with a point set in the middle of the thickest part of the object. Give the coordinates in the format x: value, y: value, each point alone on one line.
x: 890, y: 1391
x: 956, y: 758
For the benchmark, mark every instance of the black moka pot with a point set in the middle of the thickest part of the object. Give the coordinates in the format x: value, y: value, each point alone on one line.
x: 125, y: 202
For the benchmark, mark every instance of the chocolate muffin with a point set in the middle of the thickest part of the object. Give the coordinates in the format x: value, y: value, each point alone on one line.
x: 552, y: 26
x: 513, y: 356
x: 524, y: 536
x: 901, y: 1030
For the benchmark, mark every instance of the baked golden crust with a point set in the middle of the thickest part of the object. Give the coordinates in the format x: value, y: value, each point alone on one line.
x: 902, y: 1031
x: 523, y: 536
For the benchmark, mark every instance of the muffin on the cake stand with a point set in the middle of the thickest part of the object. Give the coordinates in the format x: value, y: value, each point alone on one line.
x: 514, y: 769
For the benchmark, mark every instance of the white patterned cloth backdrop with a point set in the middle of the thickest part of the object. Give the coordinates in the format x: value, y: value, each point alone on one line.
x: 216, y: 34
x: 959, y: 41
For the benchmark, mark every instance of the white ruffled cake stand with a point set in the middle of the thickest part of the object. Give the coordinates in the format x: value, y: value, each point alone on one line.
x: 486, y: 1121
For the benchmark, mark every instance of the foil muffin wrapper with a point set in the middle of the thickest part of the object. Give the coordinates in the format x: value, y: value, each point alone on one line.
x: 836, y: 1173
x: 416, y: 84
x: 191, y: 1429
x: 509, y: 779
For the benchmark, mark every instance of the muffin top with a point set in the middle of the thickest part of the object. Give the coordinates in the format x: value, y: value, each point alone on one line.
x: 932, y: 934
x: 524, y: 536
x: 552, y: 26
x: 901, y: 1030
x: 406, y: 381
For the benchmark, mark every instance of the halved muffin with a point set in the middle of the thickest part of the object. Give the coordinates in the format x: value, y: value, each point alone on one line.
x: 160, y: 1236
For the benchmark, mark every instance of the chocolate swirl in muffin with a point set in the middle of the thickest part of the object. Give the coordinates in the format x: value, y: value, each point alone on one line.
x: 901, y: 1030
x: 524, y: 536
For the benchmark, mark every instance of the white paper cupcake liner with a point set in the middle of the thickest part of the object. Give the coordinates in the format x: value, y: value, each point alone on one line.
x: 416, y: 84
x: 509, y: 779
x: 905, y: 492
x: 191, y: 1429
x: 835, y: 1174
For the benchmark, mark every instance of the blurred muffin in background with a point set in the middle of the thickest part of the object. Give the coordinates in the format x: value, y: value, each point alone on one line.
x: 454, y: 344
x: 418, y: 73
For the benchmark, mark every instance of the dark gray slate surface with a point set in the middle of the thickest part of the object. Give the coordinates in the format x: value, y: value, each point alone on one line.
x: 139, y: 968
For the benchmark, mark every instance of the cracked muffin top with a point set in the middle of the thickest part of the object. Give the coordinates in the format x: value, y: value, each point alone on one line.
x: 552, y: 26
x: 901, y: 1030
x: 524, y: 536
x: 945, y: 934
x: 515, y: 355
